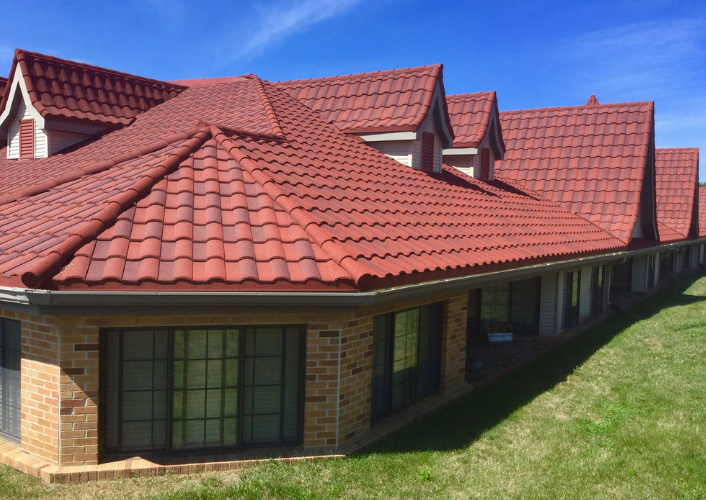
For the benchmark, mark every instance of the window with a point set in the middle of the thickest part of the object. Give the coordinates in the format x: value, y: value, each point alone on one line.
x: 406, y: 358
x: 10, y: 363
x: 667, y: 262
x: 505, y: 306
x: 572, y: 286
x: 686, y: 254
x: 622, y: 277
x: 428, y: 151
x: 485, y: 164
x: 190, y: 389
x: 26, y: 139
x: 597, y: 290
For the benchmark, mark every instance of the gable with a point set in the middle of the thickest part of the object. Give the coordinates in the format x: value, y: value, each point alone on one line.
x: 590, y: 159
x: 677, y: 171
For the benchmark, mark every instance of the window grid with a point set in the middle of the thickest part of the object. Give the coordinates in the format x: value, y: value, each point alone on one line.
x: 294, y: 339
x: 10, y: 362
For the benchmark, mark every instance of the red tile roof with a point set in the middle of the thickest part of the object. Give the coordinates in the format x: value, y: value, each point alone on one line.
x: 470, y: 116
x: 263, y: 193
x: 382, y: 101
x: 80, y: 92
x: 590, y: 159
x: 676, y: 182
x: 702, y: 211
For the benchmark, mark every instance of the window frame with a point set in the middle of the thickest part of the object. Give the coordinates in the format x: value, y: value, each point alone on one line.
x: 168, y: 450
x: 572, y: 315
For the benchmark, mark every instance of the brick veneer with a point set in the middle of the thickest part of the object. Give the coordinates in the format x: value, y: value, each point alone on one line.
x: 60, y: 373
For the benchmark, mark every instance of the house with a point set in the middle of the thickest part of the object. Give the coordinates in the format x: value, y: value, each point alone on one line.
x: 210, y: 267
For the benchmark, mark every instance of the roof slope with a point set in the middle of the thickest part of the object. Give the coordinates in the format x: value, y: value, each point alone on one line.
x: 3, y: 84
x: 263, y: 193
x: 676, y: 181
x: 590, y: 159
x: 470, y: 116
x: 381, y: 101
x: 81, y: 92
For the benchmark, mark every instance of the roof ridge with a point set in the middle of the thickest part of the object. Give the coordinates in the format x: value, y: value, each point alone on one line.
x: 469, y: 94
x: 77, y: 173
x: 23, y: 53
x: 363, y: 73
x: 356, y: 270
x: 269, y: 109
x: 677, y: 149
x: 42, y: 270
x: 579, y: 107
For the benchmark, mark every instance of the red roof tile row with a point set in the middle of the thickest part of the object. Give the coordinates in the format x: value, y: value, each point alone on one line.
x: 590, y: 159
x: 470, y: 116
x: 80, y: 92
x: 676, y: 195
x: 382, y: 101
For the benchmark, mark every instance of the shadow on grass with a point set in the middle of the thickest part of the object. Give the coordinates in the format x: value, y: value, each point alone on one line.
x: 460, y: 423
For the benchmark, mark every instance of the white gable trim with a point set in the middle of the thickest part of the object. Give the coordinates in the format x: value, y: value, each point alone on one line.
x: 460, y: 151
x: 18, y: 85
x: 390, y: 136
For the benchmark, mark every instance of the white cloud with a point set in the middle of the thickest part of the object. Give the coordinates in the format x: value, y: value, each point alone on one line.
x: 646, y: 58
x: 286, y: 18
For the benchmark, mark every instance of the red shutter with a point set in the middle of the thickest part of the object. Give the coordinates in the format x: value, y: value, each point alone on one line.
x: 484, y: 164
x: 26, y: 139
x: 428, y: 151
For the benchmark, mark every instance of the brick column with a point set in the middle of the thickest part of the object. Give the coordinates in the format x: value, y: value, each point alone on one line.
x: 356, y: 377
x: 79, y: 374
x: 453, y: 343
x: 39, y: 385
x: 321, y: 391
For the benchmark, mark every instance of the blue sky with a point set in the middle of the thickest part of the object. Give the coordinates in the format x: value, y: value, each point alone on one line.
x: 534, y: 53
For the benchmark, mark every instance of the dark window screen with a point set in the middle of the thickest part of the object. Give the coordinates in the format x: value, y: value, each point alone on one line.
x: 597, y: 289
x: 622, y: 277
x: 136, y: 390
x: 524, y: 306
x: 205, y: 388
x: 571, y: 299
x: 406, y: 358
x: 201, y: 388
x: 10, y: 389
x: 495, y: 308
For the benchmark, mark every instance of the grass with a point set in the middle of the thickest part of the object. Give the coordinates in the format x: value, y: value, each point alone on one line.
x: 617, y: 413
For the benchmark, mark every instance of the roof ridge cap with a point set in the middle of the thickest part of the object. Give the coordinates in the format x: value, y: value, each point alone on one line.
x: 21, y: 53
x: 579, y: 107
x: 356, y: 270
x: 468, y: 94
x: 362, y: 73
x: 42, y: 270
x: 269, y: 109
x: 97, y: 167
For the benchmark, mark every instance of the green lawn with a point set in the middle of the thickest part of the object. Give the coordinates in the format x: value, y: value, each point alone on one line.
x: 618, y: 412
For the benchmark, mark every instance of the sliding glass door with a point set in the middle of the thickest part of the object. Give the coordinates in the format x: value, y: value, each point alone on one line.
x: 406, y: 358
x: 195, y: 389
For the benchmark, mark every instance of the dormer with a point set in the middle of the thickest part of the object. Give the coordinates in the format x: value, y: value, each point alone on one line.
x: 401, y: 113
x: 50, y: 104
x: 478, y: 137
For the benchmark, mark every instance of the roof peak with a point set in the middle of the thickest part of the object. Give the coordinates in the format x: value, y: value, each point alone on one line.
x: 592, y: 101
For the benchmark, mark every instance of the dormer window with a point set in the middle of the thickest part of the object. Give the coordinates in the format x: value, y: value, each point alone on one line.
x: 428, y: 152
x: 26, y: 139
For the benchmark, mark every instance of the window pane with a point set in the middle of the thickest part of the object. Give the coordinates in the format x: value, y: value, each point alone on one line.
x: 209, y: 392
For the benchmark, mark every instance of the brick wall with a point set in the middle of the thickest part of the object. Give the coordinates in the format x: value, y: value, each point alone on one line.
x: 60, y: 373
x: 39, y: 384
